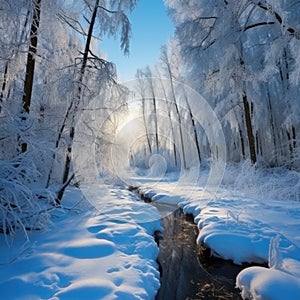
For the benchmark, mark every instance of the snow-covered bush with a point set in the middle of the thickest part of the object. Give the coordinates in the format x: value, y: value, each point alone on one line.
x: 264, y: 182
x: 23, y: 203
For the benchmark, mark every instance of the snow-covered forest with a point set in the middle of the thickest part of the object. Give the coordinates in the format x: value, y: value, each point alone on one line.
x: 243, y: 59
x: 224, y: 97
x: 51, y: 68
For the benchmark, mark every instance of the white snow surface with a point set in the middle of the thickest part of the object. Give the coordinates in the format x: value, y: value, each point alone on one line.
x: 244, y: 228
x: 101, y: 254
x: 110, y: 252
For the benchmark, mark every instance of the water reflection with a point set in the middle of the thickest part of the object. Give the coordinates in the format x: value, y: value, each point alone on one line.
x: 187, y: 272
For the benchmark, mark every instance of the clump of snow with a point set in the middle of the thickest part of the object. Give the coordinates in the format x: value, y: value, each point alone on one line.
x: 264, y: 283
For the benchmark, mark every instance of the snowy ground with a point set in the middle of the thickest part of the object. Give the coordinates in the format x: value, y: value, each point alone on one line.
x: 106, y: 254
x: 247, y: 225
x: 110, y: 252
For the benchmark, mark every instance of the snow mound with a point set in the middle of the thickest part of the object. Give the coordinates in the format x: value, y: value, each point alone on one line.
x: 264, y: 283
x: 97, y: 255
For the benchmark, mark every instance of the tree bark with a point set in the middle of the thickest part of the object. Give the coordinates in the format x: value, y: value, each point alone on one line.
x: 154, y: 112
x: 251, y: 140
x: 194, y: 128
x: 30, y: 65
x: 3, y: 85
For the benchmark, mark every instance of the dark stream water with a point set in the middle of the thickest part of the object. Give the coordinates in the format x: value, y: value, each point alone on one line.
x: 187, y: 270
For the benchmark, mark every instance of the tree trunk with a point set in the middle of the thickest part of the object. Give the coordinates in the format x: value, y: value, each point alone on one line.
x: 167, y: 63
x: 178, y: 114
x: 154, y: 112
x: 57, y: 142
x: 180, y: 126
x: 145, y: 124
x: 140, y: 77
x: 249, y: 128
x: 171, y: 125
x: 77, y: 100
x: 247, y: 114
x: 3, y: 88
x: 194, y: 128
x: 273, y: 124
x: 30, y: 65
x: 242, y: 144
x: 291, y: 135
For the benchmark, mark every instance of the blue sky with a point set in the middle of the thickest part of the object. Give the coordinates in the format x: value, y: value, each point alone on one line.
x: 151, y: 28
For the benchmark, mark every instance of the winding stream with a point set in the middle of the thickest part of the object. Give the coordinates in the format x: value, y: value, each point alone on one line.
x: 187, y: 269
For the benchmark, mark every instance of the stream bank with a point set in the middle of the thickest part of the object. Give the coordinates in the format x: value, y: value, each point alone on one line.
x: 188, y: 271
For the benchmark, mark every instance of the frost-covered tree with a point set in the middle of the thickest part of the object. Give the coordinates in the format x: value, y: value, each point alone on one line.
x: 241, y: 56
x: 91, y: 68
x: 169, y: 73
x: 23, y: 205
x: 50, y: 70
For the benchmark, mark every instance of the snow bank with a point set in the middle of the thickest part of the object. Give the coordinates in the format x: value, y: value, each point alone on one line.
x: 246, y: 229
x: 97, y: 255
x: 264, y: 283
x: 243, y: 230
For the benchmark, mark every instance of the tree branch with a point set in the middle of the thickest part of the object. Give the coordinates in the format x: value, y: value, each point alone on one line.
x: 270, y: 10
x: 257, y: 24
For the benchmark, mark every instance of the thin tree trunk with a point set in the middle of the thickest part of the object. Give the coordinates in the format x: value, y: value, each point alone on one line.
x: 194, y: 127
x: 155, y: 113
x: 168, y: 65
x: 291, y: 135
x: 3, y: 88
x: 30, y: 65
x: 77, y: 99
x: 180, y: 123
x: 171, y: 125
x: 156, y: 126
x: 58, y: 139
x: 242, y: 143
x: 249, y: 128
x: 240, y: 126
x: 140, y: 77
x: 272, y: 122
x: 247, y: 113
x: 145, y: 125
